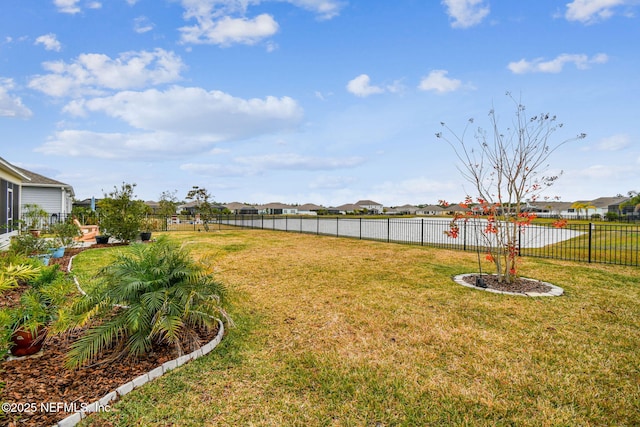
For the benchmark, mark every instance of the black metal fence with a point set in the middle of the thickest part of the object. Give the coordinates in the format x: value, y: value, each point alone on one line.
x: 593, y: 242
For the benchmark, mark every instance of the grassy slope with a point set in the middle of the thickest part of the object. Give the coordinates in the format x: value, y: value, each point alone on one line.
x: 346, y: 332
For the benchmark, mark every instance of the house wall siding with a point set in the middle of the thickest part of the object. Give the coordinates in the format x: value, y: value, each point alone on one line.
x: 50, y: 199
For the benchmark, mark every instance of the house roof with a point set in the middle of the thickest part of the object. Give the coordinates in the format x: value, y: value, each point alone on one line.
x: 456, y: 208
x: 37, y: 180
x: 348, y: 207
x: 553, y: 206
x: 13, y: 169
x: 434, y: 208
x: 276, y: 205
x: 310, y: 207
x: 605, y: 202
x: 368, y: 203
x: 236, y: 206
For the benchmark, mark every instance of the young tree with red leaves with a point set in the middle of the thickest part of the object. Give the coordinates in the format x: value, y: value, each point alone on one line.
x: 507, y: 170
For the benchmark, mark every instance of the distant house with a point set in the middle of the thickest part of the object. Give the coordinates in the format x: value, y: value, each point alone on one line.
x: 431, y: 210
x: 348, y: 208
x: 277, y: 209
x: 548, y: 209
x: 155, y: 206
x: 309, y: 209
x: 91, y: 203
x: 605, y: 205
x: 193, y: 207
x: 11, y: 180
x: 241, y: 208
x: 55, y: 197
x: 371, y: 206
x: 600, y: 206
x: 401, y: 210
x: 415, y: 210
x: 453, y: 209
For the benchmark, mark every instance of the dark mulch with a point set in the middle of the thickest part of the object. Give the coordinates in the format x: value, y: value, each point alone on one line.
x: 43, y: 379
x: 520, y: 285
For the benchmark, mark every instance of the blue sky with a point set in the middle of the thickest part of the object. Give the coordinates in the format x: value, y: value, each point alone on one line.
x: 311, y: 101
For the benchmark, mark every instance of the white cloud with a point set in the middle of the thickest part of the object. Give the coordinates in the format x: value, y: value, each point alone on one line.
x: 591, y: 11
x: 72, y: 6
x: 82, y: 143
x: 124, y: 145
x: 556, y: 65
x: 253, y: 165
x: 49, y: 41
x: 93, y: 73
x: 215, y: 115
x: 291, y: 161
x: 331, y: 182
x: 614, y: 143
x: 67, y: 6
x: 11, y: 106
x: 413, y: 190
x: 217, y: 169
x: 361, y: 86
x: 466, y: 13
x: 178, y: 121
x: 215, y: 24
x: 225, y: 22
x: 326, y: 9
x: 142, y: 25
x: 227, y: 31
x: 438, y: 81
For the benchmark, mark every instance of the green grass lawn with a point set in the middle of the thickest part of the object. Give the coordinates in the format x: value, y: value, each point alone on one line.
x: 343, y: 332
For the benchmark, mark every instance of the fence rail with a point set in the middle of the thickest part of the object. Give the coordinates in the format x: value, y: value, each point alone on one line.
x: 592, y: 242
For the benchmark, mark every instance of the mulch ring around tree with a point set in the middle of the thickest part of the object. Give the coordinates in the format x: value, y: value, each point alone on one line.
x: 39, y: 389
x: 520, y: 286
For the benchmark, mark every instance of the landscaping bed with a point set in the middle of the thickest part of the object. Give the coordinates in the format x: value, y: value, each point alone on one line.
x: 33, y: 385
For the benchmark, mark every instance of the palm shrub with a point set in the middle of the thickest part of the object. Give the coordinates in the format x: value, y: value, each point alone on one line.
x: 40, y: 306
x: 151, y: 294
x: 12, y: 274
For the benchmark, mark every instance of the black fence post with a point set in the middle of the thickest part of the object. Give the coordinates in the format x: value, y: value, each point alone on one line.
x: 519, y: 239
x: 421, y: 231
x: 590, y: 237
x: 388, y: 230
x: 464, y: 234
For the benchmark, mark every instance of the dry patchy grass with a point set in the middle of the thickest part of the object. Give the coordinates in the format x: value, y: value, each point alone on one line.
x: 345, y: 332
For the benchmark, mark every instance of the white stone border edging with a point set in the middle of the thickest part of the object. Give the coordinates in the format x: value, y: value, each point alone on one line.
x: 555, y: 291
x: 139, y: 381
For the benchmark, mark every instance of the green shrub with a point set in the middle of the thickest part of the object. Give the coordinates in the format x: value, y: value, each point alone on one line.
x: 65, y: 233
x: 27, y: 244
x: 151, y: 294
x: 611, y: 216
x: 120, y: 214
x: 11, y: 274
x: 39, y: 306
